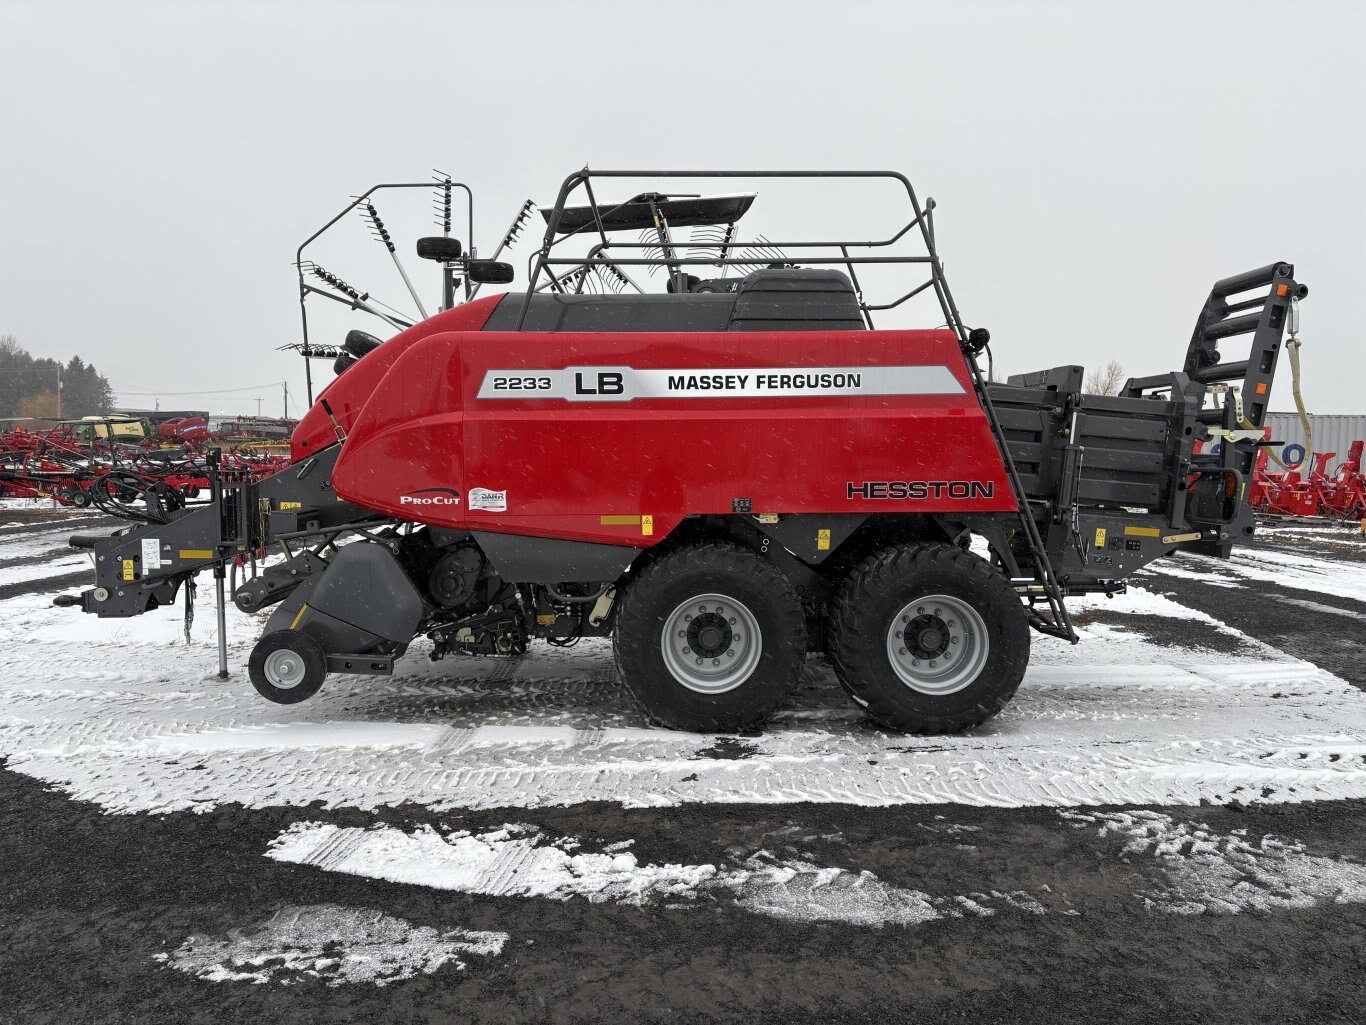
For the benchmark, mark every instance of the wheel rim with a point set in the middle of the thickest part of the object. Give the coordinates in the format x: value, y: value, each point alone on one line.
x: 285, y: 669
x: 937, y: 644
x: 711, y: 643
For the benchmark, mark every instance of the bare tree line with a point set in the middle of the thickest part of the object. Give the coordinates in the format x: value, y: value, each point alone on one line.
x: 1106, y: 380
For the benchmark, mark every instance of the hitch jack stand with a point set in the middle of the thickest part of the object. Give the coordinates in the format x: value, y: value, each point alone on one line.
x: 218, y: 574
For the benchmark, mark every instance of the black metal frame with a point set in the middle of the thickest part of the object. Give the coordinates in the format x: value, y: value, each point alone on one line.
x: 541, y: 263
x: 349, y: 296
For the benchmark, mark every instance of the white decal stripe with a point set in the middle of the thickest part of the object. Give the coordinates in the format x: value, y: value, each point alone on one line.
x: 625, y: 384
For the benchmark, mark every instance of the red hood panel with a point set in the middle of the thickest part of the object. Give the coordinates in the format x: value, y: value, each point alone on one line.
x: 348, y: 394
x: 625, y: 469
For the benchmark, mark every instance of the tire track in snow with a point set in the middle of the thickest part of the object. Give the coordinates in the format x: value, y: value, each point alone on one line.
x: 123, y: 711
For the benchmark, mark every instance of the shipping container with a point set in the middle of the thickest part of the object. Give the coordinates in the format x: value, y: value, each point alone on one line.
x: 1332, y: 433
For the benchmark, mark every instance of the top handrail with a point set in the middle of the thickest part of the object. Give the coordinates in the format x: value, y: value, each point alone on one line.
x: 544, y: 259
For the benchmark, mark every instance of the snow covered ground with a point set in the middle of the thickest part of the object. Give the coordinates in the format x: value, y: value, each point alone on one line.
x: 125, y: 713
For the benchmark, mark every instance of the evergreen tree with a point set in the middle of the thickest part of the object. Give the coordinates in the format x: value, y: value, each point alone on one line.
x: 28, y: 386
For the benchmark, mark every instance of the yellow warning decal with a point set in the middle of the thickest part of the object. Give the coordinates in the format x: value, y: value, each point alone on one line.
x: 618, y: 521
x: 127, y: 569
x: 291, y: 505
x: 1175, y: 539
x: 647, y: 525
x: 1142, y: 532
x: 545, y: 620
x: 1100, y: 537
x: 302, y: 609
x: 196, y: 553
x: 822, y: 540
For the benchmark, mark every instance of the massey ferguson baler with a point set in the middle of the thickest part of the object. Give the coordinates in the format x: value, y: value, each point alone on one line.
x: 723, y: 475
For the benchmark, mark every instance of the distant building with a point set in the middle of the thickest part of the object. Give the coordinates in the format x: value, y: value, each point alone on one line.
x: 1332, y: 433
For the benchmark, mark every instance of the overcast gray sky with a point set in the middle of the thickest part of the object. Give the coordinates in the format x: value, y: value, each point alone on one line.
x: 1097, y: 166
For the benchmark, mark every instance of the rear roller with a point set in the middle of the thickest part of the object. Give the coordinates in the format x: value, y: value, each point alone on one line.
x: 710, y: 638
x: 928, y: 639
x: 287, y: 666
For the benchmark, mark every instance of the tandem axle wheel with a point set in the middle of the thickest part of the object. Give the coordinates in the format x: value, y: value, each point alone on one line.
x: 710, y: 638
x: 928, y: 638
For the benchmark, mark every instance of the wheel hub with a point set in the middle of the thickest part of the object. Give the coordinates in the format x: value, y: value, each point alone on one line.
x: 711, y: 643
x: 709, y: 634
x: 937, y: 644
x: 929, y: 635
x: 284, y: 668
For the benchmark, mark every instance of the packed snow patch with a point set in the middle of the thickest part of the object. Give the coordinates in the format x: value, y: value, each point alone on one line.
x: 1226, y: 874
x: 518, y: 861
x: 334, y: 944
x: 511, y: 862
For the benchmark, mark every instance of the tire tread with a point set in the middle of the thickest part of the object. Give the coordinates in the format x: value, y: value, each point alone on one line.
x: 726, y: 557
x: 849, y: 637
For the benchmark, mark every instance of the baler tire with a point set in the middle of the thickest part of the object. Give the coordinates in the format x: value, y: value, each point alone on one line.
x: 886, y: 585
x: 311, y: 662
x: 711, y: 572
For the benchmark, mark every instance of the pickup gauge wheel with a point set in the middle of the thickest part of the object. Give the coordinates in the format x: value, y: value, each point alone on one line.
x: 79, y: 498
x: 928, y: 638
x: 287, y: 666
x: 710, y: 637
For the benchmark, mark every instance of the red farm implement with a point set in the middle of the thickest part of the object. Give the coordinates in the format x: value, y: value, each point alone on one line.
x: 723, y: 474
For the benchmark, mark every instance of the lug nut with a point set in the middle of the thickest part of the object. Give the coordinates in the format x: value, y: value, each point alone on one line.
x: 716, y: 661
x: 731, y: 653
x: 687, y: 619
x: 901, y: 651
x: 687, y: 651
x: 732, y: 620
x: 933, y: 664
x: 699, y: 661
